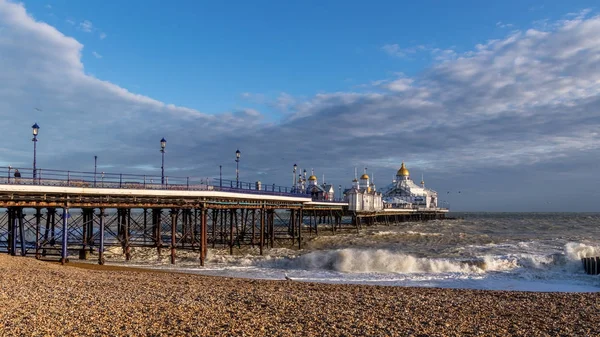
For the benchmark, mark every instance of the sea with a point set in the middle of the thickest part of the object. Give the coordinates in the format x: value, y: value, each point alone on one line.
x: 495, y: 251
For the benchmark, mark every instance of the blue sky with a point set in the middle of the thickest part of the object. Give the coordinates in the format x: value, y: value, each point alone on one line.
x: 499, y: 100
x: 204, y: 55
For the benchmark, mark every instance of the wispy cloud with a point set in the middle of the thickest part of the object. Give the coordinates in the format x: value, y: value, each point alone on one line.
x: 501, y: 24
x: 397, y: 51
x: 96, y: 55
x: 102, y: 36
x: 86, y: 26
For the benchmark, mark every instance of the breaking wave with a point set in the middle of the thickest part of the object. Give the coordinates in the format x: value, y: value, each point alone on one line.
x: 354, y: 260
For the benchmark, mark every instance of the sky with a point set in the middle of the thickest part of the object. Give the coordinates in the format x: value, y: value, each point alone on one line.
x: 497, y: 100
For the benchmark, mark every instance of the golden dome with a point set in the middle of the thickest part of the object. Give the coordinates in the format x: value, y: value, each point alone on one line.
x: 364, y: 176
x: 403, y: 171
x: 312, y: 178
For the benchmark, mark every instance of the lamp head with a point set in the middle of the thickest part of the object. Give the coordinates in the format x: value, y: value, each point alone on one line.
x: 163, y: 143
x: 237, y: 154
x: 36, y: 128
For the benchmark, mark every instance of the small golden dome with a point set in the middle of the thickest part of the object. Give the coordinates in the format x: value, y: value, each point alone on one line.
x: 364, y: 176
x: 312, y: 178
x: 403, y: 171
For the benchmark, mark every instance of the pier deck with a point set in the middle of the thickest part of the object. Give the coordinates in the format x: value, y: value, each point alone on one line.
x: 59, y: 216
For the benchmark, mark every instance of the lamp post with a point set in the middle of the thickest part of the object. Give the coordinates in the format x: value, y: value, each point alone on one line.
x: 163, y: 144
x: 294, y: 178
x: 340, y: 189
x: 221, y: 176
x: 95, y: 167
x: 237, y: 168
x: 36, y: 129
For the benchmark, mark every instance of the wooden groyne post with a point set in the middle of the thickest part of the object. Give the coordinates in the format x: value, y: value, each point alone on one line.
x: 591, y: 265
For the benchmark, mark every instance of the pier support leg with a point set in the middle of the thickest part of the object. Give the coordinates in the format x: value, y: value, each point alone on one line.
x: 300, y: 223
x: 203, y: 247
x: 253, y: 228
x: 64, y: 252
x: 12, y: 216
x: 293, y: 225
x: 173, y: 234
x: 231, y: 231
x: 101, y: 249
x: 38, y: 215
x: 272, y: 227
x: 20, y: 215
x: 262, y: 230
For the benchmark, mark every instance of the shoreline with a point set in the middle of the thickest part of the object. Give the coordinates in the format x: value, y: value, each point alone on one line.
x: 41, y: 298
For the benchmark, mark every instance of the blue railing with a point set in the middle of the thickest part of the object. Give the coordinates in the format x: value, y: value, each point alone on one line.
x: 47, y: 177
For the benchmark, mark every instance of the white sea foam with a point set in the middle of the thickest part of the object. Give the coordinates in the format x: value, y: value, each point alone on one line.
x: 351, y: 260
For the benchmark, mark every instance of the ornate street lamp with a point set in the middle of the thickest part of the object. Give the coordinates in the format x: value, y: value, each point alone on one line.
x: 237, y: 168
x: 36, y: 129
x: 95, y: 167
x: 163, y: 144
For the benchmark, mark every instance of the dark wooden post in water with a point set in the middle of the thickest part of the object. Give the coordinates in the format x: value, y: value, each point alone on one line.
x: 64, y: 252
x: 101, y: 249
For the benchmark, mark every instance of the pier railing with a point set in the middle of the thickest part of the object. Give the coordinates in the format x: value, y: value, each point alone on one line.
x: 49, y: 177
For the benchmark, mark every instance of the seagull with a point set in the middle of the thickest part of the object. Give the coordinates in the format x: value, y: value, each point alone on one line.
x: 287, y: 277
x: 38, y: 109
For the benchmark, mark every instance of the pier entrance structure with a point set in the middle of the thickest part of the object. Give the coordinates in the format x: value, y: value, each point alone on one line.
x: 64, y: 213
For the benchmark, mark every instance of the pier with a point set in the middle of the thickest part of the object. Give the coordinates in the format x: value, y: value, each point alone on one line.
x: 66, y: 213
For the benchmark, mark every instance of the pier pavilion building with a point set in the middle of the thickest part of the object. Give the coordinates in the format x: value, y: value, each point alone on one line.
x: 363, y: 196
x: 403, y: 192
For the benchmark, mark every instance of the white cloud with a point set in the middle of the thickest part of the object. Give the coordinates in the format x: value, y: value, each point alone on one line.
x: 96, y: 55
x: 530, y: 98
x: 399, y: 85
x: 102, y: 36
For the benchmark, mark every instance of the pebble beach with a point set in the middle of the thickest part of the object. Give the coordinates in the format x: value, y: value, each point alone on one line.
x: 47, y: 299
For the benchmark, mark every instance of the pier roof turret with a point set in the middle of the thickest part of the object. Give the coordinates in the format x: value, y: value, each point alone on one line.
x: 403, y: 171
